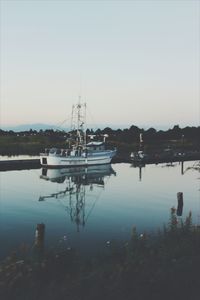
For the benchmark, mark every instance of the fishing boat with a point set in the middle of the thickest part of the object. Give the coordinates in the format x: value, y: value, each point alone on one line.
x: 82, y: 150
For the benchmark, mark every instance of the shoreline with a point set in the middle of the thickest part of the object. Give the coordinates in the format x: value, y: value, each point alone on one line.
x: 34, y: 163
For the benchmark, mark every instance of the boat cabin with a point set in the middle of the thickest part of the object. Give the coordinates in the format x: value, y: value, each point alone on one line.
x: 98, y: 146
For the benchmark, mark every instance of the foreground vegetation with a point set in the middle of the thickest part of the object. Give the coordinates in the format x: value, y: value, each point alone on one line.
x: 160, y: 266
x: 33, y: 142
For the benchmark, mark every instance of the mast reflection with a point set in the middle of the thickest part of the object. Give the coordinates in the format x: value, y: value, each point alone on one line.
x: 80, y: 181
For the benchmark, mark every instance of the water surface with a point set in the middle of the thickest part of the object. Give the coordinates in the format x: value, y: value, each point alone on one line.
x: 88, y: 208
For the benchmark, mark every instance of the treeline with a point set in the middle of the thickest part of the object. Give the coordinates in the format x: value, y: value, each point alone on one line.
x: 126, y: 140
x: 127, y: 135
x: 177, y: 138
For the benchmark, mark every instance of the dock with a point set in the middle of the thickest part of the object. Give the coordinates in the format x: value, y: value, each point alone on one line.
x: 19, y: 164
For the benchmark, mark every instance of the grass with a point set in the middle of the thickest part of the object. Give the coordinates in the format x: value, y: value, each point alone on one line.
x: 160, y: 266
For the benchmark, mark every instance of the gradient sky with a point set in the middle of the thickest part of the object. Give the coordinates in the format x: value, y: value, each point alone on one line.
x: 133, y: 62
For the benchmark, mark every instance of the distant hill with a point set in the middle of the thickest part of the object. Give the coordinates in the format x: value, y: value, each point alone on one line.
x: 38, y: 126
x: 27, y: 127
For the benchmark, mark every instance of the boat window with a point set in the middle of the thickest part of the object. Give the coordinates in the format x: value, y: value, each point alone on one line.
x: 58, y: 151
x: 52, y: 150
x: 63, y: 152
x: 44, y: 161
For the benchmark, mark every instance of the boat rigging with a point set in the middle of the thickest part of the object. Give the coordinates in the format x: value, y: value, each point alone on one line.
x: 82, y: 150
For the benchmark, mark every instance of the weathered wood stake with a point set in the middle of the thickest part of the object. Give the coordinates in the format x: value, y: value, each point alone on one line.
x: 38, y: 248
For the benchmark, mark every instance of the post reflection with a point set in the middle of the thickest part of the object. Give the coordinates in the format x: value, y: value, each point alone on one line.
x: 182, y: 168
x: 179, y: 210
x: 138, y: 165
x: 80, y: 182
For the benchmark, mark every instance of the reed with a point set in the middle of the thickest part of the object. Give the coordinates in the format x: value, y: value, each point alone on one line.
x: 164, y: 265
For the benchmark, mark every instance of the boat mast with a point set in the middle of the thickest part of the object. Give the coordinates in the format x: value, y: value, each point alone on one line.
x: 78, y: 121
x: 85, y: 137
x: 72, y: 118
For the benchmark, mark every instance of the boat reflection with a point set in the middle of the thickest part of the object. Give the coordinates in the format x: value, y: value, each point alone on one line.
x: 195, y: 166
x: 78, y: 182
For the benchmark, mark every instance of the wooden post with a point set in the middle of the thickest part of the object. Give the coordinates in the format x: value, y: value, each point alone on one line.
x: 180, y: 204
x: 39, y: 240
x: 39, y: 234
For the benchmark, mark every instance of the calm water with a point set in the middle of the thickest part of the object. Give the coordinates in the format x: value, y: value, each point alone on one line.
x: 86, y: 209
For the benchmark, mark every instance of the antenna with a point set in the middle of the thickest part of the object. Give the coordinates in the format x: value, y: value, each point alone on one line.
x: 72, y: 118
x: 104, y: 137
x: 85, y: 137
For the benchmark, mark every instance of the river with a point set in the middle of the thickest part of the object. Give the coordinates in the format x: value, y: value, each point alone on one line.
x: 88, y: 209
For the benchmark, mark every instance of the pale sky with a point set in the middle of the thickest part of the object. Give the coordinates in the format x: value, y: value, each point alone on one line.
x: 132, y: 62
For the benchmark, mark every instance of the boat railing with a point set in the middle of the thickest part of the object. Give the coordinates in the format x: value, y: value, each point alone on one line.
x: 56, y: 152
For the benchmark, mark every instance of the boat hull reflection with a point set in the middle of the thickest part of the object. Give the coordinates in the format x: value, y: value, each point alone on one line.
x: 78, y: 182
x: 91, y: 173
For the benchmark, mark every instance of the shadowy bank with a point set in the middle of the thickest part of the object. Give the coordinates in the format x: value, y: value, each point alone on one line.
x: 160, y: 266
x: 126, y: 140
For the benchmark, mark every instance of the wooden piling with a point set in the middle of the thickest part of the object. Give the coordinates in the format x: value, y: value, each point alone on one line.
x: 39, y: 235
x: 38, y: 247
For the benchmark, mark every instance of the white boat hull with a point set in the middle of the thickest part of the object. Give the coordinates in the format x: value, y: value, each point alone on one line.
x: 71, y: 161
